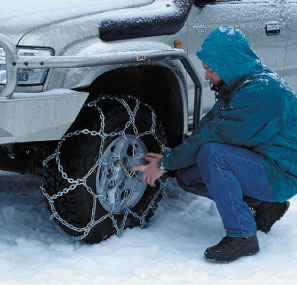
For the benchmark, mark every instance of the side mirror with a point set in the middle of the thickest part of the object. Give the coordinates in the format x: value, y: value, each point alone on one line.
x: 202, y: 3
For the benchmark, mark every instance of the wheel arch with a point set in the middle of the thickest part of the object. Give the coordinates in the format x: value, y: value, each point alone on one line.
x: 161, y: 86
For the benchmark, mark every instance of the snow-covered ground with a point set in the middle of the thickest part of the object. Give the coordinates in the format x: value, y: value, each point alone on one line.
x: 169, y: 251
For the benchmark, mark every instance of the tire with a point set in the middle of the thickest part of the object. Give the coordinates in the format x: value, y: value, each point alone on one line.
x: 86, y: 155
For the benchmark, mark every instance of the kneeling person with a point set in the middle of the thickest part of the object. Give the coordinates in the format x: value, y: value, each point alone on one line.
x: 240, y: 155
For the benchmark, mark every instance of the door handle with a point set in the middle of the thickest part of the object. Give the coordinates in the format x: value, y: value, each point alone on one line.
x: 272, y: 28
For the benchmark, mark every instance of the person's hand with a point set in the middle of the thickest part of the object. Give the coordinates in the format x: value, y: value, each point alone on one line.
x: 151, y: 172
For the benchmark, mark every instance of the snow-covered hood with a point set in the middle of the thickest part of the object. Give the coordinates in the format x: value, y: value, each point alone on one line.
x: 18, y: 17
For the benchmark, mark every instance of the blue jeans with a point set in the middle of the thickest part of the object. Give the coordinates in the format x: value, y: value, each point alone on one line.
x: 226, y: 174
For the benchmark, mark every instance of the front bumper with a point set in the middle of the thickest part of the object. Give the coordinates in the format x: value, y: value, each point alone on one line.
x: 38, y: 116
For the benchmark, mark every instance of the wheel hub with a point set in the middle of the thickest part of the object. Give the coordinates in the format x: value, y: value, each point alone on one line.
x: 117, y: 190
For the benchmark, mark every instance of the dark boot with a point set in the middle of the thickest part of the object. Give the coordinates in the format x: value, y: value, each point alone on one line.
x: 267, y: 213
x: 231, y: 248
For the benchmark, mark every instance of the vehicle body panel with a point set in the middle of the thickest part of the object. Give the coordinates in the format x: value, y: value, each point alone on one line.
x: 290, y: 15
x: 43, y: 13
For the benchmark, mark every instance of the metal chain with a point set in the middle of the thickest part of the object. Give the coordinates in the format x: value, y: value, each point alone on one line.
x: 74, y: 183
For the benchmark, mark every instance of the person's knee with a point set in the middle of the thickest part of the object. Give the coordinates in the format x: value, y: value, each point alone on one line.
x: 207, y: 152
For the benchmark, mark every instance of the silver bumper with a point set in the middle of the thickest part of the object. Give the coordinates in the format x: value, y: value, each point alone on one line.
x: 38, y: 116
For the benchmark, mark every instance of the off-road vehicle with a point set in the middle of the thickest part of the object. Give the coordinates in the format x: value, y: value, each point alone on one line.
x: 88, y: 87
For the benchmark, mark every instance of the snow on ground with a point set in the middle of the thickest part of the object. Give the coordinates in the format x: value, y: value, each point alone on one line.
x: 169, y: 251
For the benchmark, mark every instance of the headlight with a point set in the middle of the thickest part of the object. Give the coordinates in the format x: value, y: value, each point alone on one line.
x: 27, y: 76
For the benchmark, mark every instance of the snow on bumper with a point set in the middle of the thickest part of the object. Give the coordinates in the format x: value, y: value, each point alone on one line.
x: 39, y: 116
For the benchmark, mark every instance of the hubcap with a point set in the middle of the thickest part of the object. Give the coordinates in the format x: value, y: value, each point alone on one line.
x: 116, y: 189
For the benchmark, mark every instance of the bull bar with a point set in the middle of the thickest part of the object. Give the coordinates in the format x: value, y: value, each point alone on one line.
x: 15, y: 62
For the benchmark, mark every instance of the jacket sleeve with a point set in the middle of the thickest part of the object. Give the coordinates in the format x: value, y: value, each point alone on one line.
x: 250, y: 119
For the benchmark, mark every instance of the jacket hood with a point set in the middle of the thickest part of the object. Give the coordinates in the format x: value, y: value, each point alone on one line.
x: 226, y: 50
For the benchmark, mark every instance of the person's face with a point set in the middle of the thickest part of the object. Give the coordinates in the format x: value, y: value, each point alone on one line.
x: 211, y: 75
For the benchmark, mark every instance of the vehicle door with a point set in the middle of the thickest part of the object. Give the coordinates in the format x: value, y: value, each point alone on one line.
x: 261, y: 21
x: 289, y: 13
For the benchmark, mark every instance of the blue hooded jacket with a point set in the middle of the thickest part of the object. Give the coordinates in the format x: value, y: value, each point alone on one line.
x: 257, y: 110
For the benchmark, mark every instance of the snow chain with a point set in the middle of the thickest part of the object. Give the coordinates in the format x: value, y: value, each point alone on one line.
x: 74, y: 183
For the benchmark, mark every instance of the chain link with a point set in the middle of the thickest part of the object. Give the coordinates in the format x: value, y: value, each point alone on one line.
x: 74, y: 183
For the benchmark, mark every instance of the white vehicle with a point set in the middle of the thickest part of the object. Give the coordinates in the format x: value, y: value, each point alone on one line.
x: 88, y: 88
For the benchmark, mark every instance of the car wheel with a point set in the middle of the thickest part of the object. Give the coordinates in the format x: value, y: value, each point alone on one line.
x: 87, y: 183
